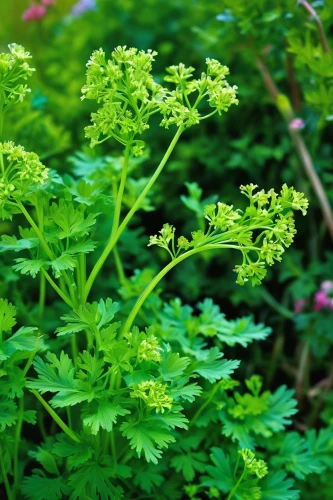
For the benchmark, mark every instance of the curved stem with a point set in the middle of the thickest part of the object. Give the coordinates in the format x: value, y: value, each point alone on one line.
x: 136, y: 206
x: 235, y: 488
x: 26, y: 214
x: 57, y: 289
x: 56, y: 417
x: 205, y: 404
x: 162, y: 273
x: 274, y: 304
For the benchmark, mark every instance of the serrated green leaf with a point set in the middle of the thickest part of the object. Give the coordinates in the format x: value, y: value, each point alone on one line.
x: 7, y: 315
x: 147, y: 437
x: 102, y: 414
x: 212, y: 368
x: 76, y: 453
x: 81, y: 247
x: 172, y: 365
x: 12, y: 243
x: 8, y: 414
x: 276, y: 486
x: 296, y: 458
x: 58, y: 376
x: 63, y: 263
x: 39, y: 487
x: 29, y: 266
x: 189, y: 463
x: 46, y: 459
x: 98, y: 478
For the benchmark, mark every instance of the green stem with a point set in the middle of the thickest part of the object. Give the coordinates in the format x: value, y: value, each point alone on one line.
x: 17, y: 444
x: 42, y: 292
x: 5, y: 477
x: 120, y: 193
x: 69, y: 417
x: 205, y: 404
x: 135, y: 207
x: 235, y: 488
x: 56, y: 417
x: 26, y: 214
x: 45, y: 246
x: 57, y: 289
x: 271, y: 301
x: 119, y: 266
x: 161, y: 275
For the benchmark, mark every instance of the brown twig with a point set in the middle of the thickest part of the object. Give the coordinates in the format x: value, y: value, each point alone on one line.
x: 300, y: 147
x: 293, y: 83
x: 317, y: 19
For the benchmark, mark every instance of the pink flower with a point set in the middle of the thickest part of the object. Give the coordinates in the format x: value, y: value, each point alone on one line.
x: 296, y: 124
x: 299, y: 306
x: 324, y: 297
x: 48, y: 3
x: 34, y: 13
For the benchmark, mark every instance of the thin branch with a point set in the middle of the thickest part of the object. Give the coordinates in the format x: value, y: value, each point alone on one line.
x: 317, y: 20
x: 300, y: 147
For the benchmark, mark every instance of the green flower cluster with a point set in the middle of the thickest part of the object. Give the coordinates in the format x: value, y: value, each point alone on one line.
x: 127, y: 91
x: 20, y: 171
x: 260, y: 232
x: 129, y: 96
x: 252, y: 464
x: 149, y: 349
x: 177, y: 108
x: 154, y: 395
x: 14, y: 68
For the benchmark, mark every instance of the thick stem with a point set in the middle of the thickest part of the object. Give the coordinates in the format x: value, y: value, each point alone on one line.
x: 130, y: 214
x: 56, y: 417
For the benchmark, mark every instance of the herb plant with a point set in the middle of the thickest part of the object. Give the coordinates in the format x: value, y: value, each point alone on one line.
x: 134, y: 398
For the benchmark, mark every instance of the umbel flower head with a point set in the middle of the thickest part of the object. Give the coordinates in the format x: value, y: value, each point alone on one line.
x: 126, y: 90
x: 14, y: 67
x: 20, y: 170
x: 154, y: 395
x: 261, y: 232
x: 128, y: 95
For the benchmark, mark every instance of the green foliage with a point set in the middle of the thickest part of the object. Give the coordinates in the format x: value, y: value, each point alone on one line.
x: 164, y: 409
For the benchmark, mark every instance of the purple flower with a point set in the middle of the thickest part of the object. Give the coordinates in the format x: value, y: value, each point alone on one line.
x: 323, y: 298
x: 83, y: 6
x: 296, y: 124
